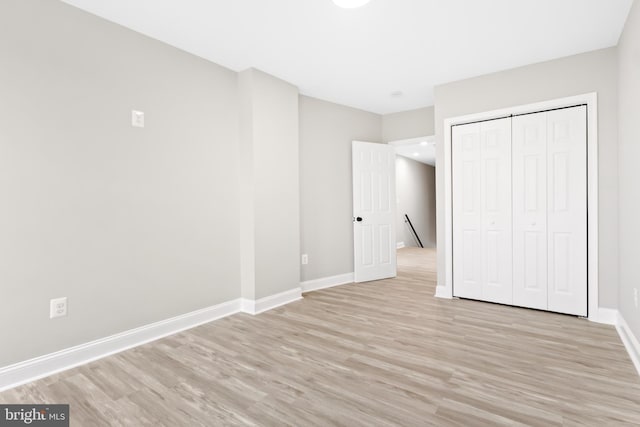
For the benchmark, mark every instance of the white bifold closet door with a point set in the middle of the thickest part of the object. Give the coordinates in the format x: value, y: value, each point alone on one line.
x: 567, y: 210
x: 482, y: 241
x: 550, y: 210
x: 529, y: 148
x: 520, y: 210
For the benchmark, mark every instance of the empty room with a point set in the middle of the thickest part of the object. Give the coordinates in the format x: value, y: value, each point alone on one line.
x: 319, y: 213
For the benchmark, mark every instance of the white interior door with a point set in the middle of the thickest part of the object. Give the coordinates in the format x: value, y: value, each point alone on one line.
x: 529, y: 153
x: 567, y: 210
x: 374, y: 211
x: 482, y: 226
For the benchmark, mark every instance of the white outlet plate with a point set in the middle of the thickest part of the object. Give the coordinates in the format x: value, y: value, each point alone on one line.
x: 137, y: 119
x: 58, y: 307
x: 305, y: 259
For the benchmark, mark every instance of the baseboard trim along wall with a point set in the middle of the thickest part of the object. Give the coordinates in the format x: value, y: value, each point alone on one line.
x: 629, y: 340
x: 441, y: 292
x: 49, y: 364
x: 59, y: 361
x: 271, y: 302
x: 327, y: 282
x: 608, y: 316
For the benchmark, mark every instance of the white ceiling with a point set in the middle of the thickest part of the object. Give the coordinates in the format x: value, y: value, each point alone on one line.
x: 422, y: 150
x: 358, y: 57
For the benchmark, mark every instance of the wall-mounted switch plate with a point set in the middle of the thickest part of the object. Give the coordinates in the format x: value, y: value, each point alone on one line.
x: 137, y: 119
x: 58, y: 307
x: 305, y: 259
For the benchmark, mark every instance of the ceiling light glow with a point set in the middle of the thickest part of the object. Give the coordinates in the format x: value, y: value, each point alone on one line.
x: 416, y: 154
x: 350, y: 4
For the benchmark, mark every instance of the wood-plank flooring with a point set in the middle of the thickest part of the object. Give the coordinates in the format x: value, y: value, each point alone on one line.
x: 372, y: 354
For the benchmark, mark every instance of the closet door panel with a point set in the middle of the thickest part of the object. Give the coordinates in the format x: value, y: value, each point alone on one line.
x: 467, y: 212
x: 529, y: 154
x: 495, y: 195
x: 567, y: 210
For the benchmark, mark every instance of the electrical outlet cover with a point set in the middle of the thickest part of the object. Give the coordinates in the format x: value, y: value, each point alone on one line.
x: 58, y: 307
x: 137, y: 119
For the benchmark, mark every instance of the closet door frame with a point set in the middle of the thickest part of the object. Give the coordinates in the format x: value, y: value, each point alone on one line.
x: 445, y: 245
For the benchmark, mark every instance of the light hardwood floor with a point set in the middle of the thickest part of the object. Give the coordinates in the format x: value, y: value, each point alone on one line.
x: 371, y: 354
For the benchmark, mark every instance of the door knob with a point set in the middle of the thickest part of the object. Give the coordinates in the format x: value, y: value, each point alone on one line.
x: 359, y: 219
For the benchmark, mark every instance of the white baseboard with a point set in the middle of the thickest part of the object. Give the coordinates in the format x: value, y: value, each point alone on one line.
x: 399, y: 245
x: 43, y: 366
x: 441, y: 292
x: 271, y: 302
x: 607, y: 316
x: 629, y: 340
x: 611, y: 316
x: 326, y: 282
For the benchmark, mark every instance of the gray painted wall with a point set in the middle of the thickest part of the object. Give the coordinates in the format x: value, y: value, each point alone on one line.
x: 416, y: 197
x: 326, y: 133
x: 269, y: 142
x: 246, y: 186
x: 408, y: 124
x: 628, y: 171
x: 589, y: 72
x: 132, y: 225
